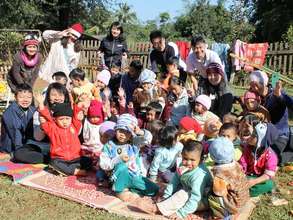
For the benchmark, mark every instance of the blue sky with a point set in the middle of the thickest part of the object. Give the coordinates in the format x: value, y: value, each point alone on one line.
x: 150, y: 9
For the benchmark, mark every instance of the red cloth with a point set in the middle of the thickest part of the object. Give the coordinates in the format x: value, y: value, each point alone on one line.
x: 190, y: 124
x: 184, y: 48
x: 96, y: 110
x: 65, y: 143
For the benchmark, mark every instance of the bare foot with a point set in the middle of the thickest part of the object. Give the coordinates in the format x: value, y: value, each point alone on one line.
x: 79, y: 172
x: 127, y: 196
x: 150, y: 208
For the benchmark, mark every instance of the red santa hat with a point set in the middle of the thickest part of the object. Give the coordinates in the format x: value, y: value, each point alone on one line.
x: 77, y: 30
x: 190, y: 124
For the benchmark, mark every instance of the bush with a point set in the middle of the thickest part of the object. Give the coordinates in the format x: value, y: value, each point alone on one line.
x: 10, y: 42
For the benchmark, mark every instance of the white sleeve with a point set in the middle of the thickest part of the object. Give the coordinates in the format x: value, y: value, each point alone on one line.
x: 39, y: 134
x: 50, y: 35
x: 106, y: 163
x: 189, y: 63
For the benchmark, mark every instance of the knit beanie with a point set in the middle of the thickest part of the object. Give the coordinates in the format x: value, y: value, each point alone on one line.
x: 215, y: 68
x: 96, y: 110
x: 62, y: 109
x: 222, y: 150
x: 77, y: 29
x: 212, y: 127
x: 260, y: 77
x: 147, y: 76
x: 104, y: 76
x: 204, y: 100
x: 190, y: 124
x: 107, y: 127
x: 251, y: 95
x: 126, y: 122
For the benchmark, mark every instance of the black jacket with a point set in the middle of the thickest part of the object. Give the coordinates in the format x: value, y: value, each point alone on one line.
x: 113, y: 48
x: 159, y: 59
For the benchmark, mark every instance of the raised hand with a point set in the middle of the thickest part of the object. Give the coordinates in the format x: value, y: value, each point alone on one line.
x: 121, y: 92
x: 40, y: 100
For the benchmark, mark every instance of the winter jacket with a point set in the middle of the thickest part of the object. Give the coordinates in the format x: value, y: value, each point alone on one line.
x: 113, y: 48
x: 16, y: 127
x: 20, y: 73
x: 65, y: 144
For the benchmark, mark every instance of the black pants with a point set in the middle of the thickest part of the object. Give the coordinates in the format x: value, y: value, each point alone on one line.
x: 284, y: 149
x: 30, y: 154
x: 68, y: 166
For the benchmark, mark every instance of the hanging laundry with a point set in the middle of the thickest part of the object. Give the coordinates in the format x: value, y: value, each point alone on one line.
x: 222, y: 50
x: 184, y: 48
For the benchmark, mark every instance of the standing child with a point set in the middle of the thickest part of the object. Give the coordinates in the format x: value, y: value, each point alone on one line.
x: 187, y: 191
x: 164, y: 162
x: 230, y: 186
x: 62, y: 130
x: 121, y: 157
x: 200, y: 109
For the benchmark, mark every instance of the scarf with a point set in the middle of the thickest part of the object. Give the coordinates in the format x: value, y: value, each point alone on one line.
x: 29, y: 62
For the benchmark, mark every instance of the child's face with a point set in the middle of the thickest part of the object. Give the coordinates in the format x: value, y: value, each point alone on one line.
x: 245, y: 130
x: 114, y: 71
x: 176, y: 89
x: 114, y: 109
x: 252, y: 141
x: 133, y: 72
x: 75, y: 82
x: 56, y: 97
x: 251, y: 104
x: 24, y: 99
x: 63, y: 121
x: 146, y: 86
x: 171, y: 68
x: 150, y: 115
x: 229, y: 133
x: 256, y: 87
x: 104, y: 138
x: 94, y: 120
x: 199, y: 108
x: 123, y: 136
x: 190, y: 159
x: 100, y: 84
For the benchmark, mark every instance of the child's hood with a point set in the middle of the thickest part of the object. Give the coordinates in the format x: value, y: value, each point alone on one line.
x: 267, y: 134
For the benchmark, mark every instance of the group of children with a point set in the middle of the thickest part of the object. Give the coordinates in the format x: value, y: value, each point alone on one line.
x: 136, y: 131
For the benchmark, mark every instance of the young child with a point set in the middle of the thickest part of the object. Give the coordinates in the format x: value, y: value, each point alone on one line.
x: 252, y: 106
x: 211, y: 131
x: 92, y: 145
x: 101, y: 89
x: 62, y: 130
x: 187, y: 191
x: 165, y: 155
x: 17, y: 120
x: 121, y: 157
x: 81, y: 84
x: 230, y: 186
x: 189, y: 129
x: 58, y: 77
x: 148, y: 92
x: 200, y: 110
x: 258, y: 159
x: 153, y: 112
x: 230, y: 131
x: 177, y: 102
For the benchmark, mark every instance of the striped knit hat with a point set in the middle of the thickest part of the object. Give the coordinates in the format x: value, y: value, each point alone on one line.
x: 126, y: 122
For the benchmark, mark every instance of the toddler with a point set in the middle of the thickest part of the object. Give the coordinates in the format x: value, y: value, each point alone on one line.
x: 189, y: 128
x: 101, y: 90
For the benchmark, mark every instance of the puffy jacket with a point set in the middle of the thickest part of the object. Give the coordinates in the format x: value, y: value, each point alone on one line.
x: 16, y: 128
x: 65, y: 144
x: 113, y: 48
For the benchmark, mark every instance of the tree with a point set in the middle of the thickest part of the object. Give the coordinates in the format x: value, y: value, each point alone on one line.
x: 125, y: 15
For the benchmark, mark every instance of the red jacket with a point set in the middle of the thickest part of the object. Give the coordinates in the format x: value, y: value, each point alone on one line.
x: 65, y: 144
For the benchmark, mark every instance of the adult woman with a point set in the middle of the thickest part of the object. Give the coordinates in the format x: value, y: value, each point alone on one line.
x: 217, y: 88
x: 64, y: 53
x: 26, y: 64
x: 114, y: 46
x: 37, y: 150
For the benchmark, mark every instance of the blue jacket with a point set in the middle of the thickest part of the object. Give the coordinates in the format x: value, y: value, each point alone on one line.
x: 16, y: 127
x: 278, y: 108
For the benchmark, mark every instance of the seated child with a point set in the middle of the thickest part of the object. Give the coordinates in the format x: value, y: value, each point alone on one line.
x: 211, y: 131
x: 120, y: 156
x: 230, y: 131
x: 17, y: 120
x: 147, y: 92
x: 153, y: 112
x: 62, y: 130
x: 230, y: 186
x: 58, y: 77
x: 231, y: 118
x: 80, y: 84
x: 187, y: 192
x: 252, y: 106
x: 166, y: 154
x: 101, y: 90
x: 92, y: 145
x: 258, y: 159
x: 200, y: 110
x: 189, y: 128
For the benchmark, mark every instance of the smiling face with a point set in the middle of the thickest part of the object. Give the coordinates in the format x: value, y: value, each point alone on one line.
x: 229, y: 134
x: 214, y: 78
x: 200, y: 50
x: 24, y: 99
x: 31, y: 50
x: 159, y: 43
x: 199, y: 108
x: 191, y: 159
x: 251, y: 104
x: 56, y: 97
x: 256, y: 87
x: 63, y: 121
x: 115, y: 31
x: 123, y: 136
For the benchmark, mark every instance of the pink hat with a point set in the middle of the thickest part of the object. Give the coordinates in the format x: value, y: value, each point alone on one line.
x: 215, y: 68
x: 251, y: 95
x: 77, y: 29
x: 104, y: 76
x: 204, y: 100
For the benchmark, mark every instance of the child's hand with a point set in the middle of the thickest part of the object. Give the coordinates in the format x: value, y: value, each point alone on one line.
x: 121, y: 92
x: 251, y: 183
x: 42, y: 119
x: 138, y: 131
x: 40, y: 100
x: 174, y: 217
x: 80, y: 116
x: 130, y: 105
x: 107, y: 92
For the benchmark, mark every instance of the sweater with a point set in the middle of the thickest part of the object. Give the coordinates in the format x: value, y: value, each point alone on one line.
x: 165, y: 158
x: 65, y: 144
x: 196, y: 182
x: 16, y: 127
